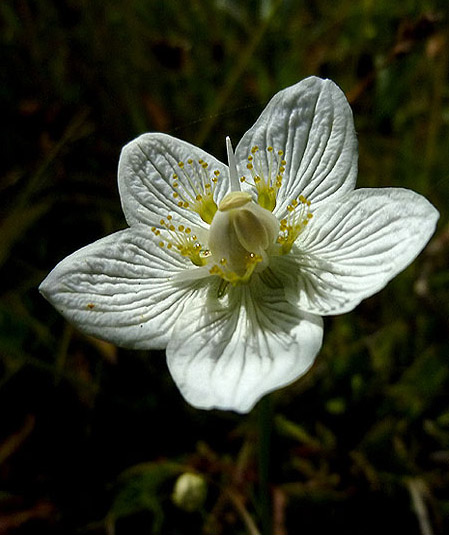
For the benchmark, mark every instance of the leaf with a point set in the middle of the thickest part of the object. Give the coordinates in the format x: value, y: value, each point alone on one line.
x: 140, y: 490
x: 293, y: 430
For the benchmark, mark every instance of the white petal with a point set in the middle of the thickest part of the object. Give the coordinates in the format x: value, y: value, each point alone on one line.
x: 146, y: 168
x: 354, y: 246
x: 228, y: 353
x: 120, y: 289
x: 312, y: 123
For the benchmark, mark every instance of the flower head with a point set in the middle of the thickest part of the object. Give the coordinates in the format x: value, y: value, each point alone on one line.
x: 230, y: 267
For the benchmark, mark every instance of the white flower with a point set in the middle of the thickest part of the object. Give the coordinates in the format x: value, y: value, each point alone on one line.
x: 230, y: 268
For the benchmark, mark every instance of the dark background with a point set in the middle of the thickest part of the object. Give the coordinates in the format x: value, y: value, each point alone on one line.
x: 92, y: 438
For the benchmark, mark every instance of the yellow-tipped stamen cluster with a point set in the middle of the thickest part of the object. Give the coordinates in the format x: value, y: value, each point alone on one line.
x: 267, y: 185
x: 298, y: 217
x: 194, y: 188
x: 243, y: 233
x: 227, y: 275
x: 183, y: 240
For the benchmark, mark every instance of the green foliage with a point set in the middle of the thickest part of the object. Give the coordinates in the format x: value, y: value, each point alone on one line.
x: 140, y: 489
x: 93, y: 437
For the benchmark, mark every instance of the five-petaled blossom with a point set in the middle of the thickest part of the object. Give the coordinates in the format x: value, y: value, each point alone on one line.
x: 230, y: 267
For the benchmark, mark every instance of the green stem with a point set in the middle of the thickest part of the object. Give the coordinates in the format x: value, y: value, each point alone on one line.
x: 243, y: 512
x: 265, y: 422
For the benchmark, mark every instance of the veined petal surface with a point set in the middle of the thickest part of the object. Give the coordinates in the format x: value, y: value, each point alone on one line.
x: 312, y: 123
x: 145, y: 177
x: 228, y: 353
x: 354, y: 246
x: 162, y: 282
x: 120, y: 289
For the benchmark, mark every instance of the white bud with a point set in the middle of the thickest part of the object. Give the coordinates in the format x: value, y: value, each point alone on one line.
x: 189, y: 492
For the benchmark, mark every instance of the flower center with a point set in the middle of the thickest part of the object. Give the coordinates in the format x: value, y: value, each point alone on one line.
x: 243, y: 232
x: 240, y: 237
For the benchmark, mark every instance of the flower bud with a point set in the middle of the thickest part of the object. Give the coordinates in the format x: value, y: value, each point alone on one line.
x: 190, y: 492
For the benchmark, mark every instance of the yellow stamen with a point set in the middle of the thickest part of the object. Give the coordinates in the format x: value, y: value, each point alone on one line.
x: 266, y: 181
x: 195, y: 188
x: 182, y: 239
x: 297, y: 219
x: 231, y: 276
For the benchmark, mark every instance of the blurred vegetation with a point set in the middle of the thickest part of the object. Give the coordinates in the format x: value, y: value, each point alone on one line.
x: 93, y: 439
